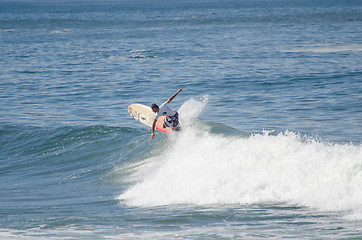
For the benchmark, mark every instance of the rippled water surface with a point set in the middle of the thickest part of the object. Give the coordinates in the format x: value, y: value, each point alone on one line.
x: 271, y: 112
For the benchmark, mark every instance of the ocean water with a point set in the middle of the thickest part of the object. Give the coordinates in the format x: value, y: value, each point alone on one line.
x: 271, y: 145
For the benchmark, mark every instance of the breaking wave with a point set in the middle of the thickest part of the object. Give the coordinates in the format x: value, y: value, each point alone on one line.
x: 199, y: 167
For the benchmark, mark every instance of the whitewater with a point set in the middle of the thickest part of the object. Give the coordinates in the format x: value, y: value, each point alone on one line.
x: 199, y: 167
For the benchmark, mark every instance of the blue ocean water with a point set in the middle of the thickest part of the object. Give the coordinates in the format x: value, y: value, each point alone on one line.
x: 271, y: 145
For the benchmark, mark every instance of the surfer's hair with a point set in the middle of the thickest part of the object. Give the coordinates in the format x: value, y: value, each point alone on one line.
x: 154, y: 106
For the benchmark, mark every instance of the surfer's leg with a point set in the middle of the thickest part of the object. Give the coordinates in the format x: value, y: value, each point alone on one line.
x: 171, y: 122
x: 175, y: 123
x: 167, y: 122
x: 176, y: 129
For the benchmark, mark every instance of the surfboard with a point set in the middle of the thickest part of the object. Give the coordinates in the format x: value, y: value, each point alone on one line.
x: 145, y: 115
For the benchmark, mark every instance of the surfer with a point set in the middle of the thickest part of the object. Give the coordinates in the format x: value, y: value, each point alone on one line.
x: 171, y: 119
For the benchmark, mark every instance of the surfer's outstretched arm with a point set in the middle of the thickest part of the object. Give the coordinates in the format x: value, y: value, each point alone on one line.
x: 173, y: 96
x: 153, y: 128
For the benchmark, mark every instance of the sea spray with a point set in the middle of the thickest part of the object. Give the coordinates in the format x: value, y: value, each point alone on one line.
x: 191, y: 109
x: 200, y: 168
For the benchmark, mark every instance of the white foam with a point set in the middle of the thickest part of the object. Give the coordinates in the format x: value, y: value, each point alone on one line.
x: 60, y: 31
x: 201, y: 168
x: 39, y: 233
x: 7, y: 30
x: 326, y: 48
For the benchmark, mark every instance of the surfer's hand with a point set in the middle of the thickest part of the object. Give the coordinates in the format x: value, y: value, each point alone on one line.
x: 152, y: 135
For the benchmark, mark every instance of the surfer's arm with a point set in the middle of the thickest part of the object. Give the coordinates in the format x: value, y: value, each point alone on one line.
x: 173, y: 96
x: 153, y: 128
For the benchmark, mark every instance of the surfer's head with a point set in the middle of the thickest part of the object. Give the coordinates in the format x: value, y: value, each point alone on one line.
x: 154, y: 107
